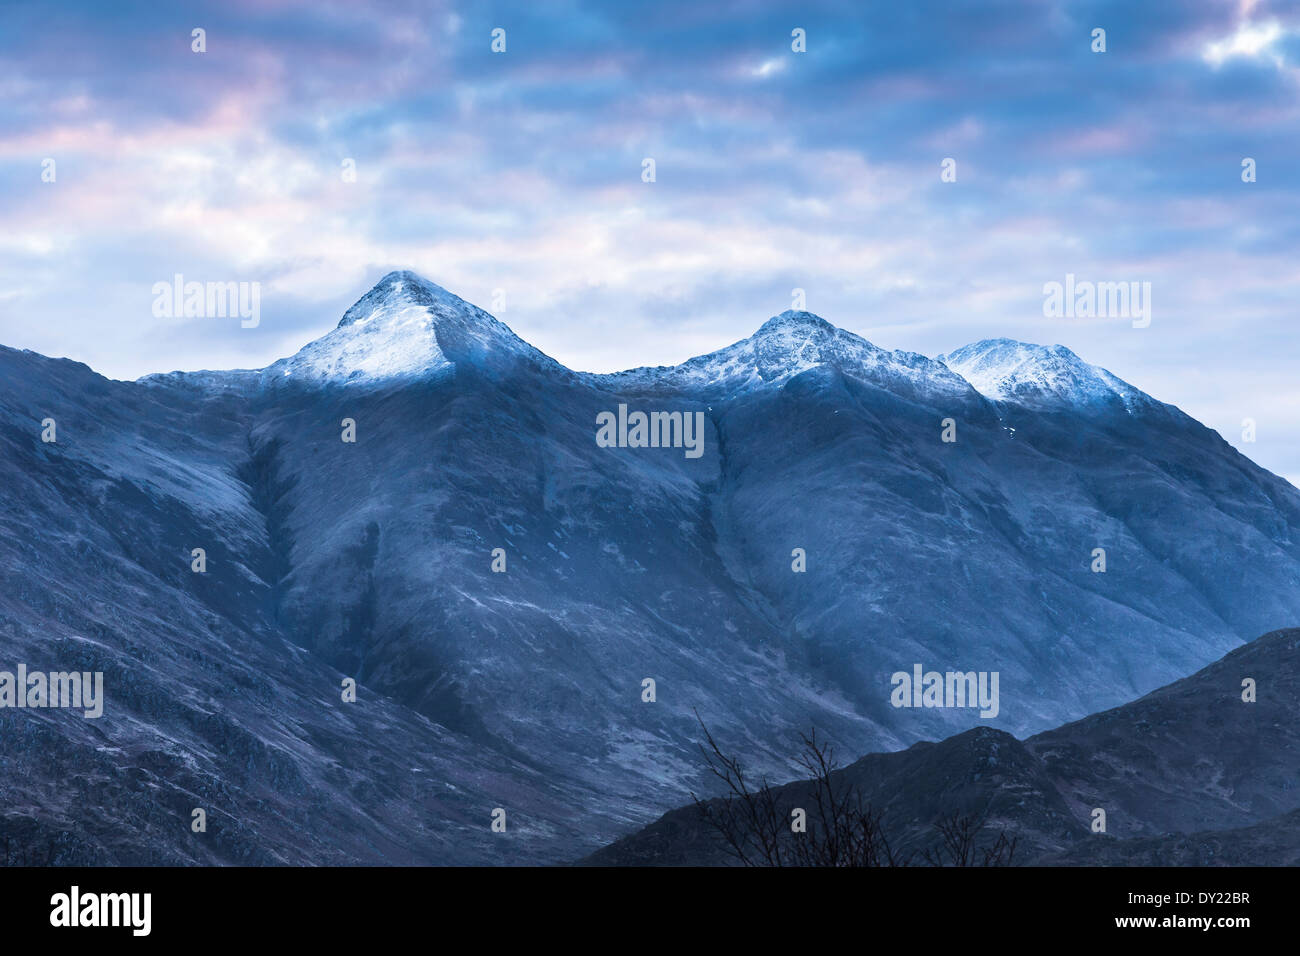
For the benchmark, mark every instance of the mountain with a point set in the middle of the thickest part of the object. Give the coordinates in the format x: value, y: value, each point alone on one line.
x: 1040, y: 377
x: 524, y: 687
x: 784, y: 347
x: 207, y: 706
x: 405, y: 328
x: 1191, y: 774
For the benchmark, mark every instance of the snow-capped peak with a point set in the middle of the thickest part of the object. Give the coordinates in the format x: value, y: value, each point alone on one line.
x: 793, y: 320
x: 787, y: 345
x: 1007, y: 370
x: 404, y: 327
x: 398, y: 289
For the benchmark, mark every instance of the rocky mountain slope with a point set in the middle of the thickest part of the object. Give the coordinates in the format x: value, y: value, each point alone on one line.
x: 378, y: 559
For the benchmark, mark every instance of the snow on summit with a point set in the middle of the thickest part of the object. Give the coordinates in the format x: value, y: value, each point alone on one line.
x: 785, y: 346
x: 1007, y: 370
x: 405, y: 327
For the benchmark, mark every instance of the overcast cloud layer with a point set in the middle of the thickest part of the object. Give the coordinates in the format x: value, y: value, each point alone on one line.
x: 521, y: 172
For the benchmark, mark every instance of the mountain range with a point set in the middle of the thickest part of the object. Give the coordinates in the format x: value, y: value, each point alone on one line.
x: 502, y: 587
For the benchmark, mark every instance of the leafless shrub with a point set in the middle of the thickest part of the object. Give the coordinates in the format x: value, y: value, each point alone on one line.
x: 754, y: 820
x: 959, y: 846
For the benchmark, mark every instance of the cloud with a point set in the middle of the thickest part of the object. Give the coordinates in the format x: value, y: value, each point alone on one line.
x: 1251, y: 41
x: 770, y: 67
x: 522, y: 171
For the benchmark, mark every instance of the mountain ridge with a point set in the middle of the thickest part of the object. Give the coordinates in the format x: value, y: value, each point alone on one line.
x: 476, y: 560
x: 415, y: 308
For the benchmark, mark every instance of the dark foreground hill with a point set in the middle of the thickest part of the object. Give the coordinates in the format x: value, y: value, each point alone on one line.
x: 1190, y: 774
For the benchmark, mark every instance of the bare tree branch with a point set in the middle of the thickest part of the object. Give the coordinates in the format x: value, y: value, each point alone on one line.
x: 755, y: 823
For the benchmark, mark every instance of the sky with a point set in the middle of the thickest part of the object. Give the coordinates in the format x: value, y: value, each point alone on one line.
x: 311, y: 147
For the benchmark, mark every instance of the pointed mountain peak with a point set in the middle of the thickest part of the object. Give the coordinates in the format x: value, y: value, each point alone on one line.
x: 405, y: 327
x: 399, y: 288
x: 795, y: 341
x: 1007, y: 370
x: 792, y: 319
x: 790, y: 344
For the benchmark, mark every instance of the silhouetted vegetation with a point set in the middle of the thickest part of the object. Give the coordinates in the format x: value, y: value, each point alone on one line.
x: 762, y: 825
